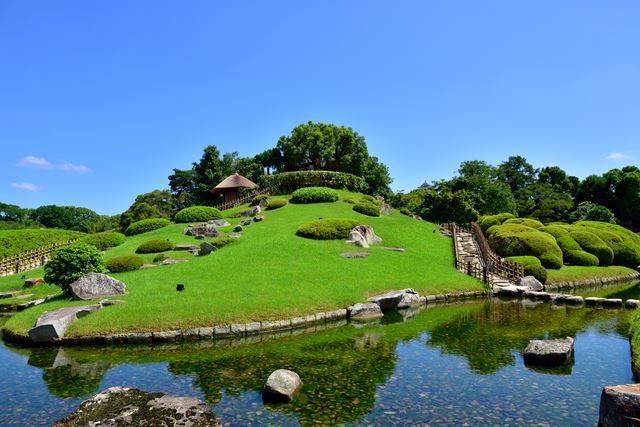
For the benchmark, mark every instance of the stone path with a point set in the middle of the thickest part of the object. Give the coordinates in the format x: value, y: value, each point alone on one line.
x: 469, y: 253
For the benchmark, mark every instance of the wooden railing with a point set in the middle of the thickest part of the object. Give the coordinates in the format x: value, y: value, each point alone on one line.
x: 495, y: 263
x: 29, y: 260
x: 241, y: 201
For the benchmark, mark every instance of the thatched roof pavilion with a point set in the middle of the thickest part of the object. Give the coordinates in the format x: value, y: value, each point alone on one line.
x: 230, y: 186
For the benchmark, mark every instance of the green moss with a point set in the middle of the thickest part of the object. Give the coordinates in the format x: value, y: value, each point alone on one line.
x: 580, y: 257
x: 533, y: 223
x: 591, y: 243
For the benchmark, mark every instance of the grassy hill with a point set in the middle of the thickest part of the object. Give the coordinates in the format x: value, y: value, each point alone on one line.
x: 270, y: 273
x: 15, y: 242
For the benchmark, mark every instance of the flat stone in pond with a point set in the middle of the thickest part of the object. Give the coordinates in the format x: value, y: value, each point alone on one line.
x: 354, y: 254
x: 612, y: 302
x: 593, y: 301
x: 549, y: 352
x: 632, y: 303
x: 620, y: 406
x: 281, y: 386
x: 95, y: 286
x: 122, y: 406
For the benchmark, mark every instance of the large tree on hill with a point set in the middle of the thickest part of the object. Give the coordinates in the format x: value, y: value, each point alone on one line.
x: 323, y: 146
x: 517, y: 173
x: 156, y: 204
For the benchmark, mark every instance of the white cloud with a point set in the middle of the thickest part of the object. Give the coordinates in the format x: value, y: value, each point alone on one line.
x: 44, y: 164
x: 25, y: 186
x: 616, y: 155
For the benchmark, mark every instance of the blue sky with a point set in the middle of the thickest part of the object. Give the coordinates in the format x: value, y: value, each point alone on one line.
x: 100, y: 100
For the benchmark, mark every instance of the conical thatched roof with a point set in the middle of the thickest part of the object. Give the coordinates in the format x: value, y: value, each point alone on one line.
x: 234, y: 181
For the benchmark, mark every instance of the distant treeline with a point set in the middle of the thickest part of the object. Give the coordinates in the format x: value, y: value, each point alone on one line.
x: 75, y: 218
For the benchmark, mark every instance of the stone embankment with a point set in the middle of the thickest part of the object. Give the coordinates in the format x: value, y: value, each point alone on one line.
x: 596, y: 282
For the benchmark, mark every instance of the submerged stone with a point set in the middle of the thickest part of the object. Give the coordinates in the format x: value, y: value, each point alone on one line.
x: 549, y: 352
x: 281, y: 386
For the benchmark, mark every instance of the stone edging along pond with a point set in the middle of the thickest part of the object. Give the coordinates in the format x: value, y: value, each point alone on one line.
x: 596, y: 281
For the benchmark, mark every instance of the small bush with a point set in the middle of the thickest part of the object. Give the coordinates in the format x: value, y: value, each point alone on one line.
x: 533, y: 223
x: 160, y: 257
x: 197, y: 214
x: 591, y: 243
x: 524, y: 260
x: 314, y: 195
x: 146, y: 225
x: 223, y: 241
x: 327, y: 229
x: 155, y: 246
x: 276, y: 204
x: 256, y: 200
x: 68, y: 264
x: 551, y: 260
x: 124, y: 263
x: 487, y: 221
x: 104, y: 240
x: 370, y: 199
x: 568, y: 243
x: 406, y: 211
x: 581, y: 258
x: 367, y: 208
x: 537, y: 271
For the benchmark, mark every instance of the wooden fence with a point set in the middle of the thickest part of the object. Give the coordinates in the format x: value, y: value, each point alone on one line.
x: 29, y: 260
x: 233, y: 203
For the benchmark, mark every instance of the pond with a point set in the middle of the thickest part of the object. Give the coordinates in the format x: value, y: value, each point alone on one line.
x: 449, y: 365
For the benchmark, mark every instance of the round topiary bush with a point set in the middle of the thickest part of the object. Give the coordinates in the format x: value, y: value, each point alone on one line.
x: 487, y: 221
x: 524, y: 260
x: 370, y: 199
x: 514, y: 239
x: 624, y: 243
x: 591, y: 243
x: 327, y: 229
x: 537, y: 271
x: 367, y: 208
x: 568, y: 243
x: 551, y: 260
x: 533, y: 223
x: 257, y: 199
x: 146, y: 225
x: 197, y: 214
x: 581, y: 258
x: 160, y: 257
x: 555, y: 230
x: 104, y: 240
x: 155, y: 246
x: 68, y: 264
x: 406, y: 211
x: 276, y: 204
x: 314, y: 195
x: 124, y: 263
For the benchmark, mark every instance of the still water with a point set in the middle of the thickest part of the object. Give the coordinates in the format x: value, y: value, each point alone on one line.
x: 448, y: 365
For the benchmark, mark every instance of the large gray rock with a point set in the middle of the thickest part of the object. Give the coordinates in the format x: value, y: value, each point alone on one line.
x: 363, y: 236
x: 620, y: 406
x: 51, y: 326
x: 206, y: 248
x: 122, y: 406
x: 385, y: 209
x: 263, y: 203
x: 531, y: 283
x: 281, y: 386
x: 251, y: 212
x: 218, y: 222
x: 394, y: 300
x: 96, y: 286
x: 366, y: 311
x: 549, y: 352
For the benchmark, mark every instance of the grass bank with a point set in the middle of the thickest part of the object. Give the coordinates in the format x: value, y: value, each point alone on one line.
x: 572, y: 273
x: 270, y: 273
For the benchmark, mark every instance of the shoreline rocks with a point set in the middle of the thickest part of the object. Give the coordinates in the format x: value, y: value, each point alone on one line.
x: 365, y: 311
x: 620, y: 406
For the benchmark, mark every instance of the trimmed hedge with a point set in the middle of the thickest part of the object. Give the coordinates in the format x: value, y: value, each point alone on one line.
x: 581, y: 258
x: 104, y: 240
x: 367, y: 208
x: 276, y: 204
x: 68, y: 264
x: 146, y: 225
x: 286, y: 182
x: 327, y: 228
x: 197, y: 214
x: 593, y: 244
x: 487, y: 221
x: 256, y: 200
x: 568, y: 243
x: 537, y: 271
x: 406, y: 211
x: 533, y: 223
x: 555, y: 230
x: 155, y: 246
x: 15, y: 242
x: 524, y: 260
x: 514, y: 240
x: 160, y: 257
x: 551, y: 261
x: 625, y: 244
x: 371, y: 199
x: 314, y: 195
x: 124, y: 263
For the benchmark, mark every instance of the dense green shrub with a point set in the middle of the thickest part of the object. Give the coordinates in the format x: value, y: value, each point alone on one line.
x: 68, y: 264
x: 124, y: 263
x: 555, y: 230
x: 327, y: 228
x: 287, y: 182
x: 314, y: 195
x: 524, y: 260
x: 581, y: 258
x: 487, y: 221
x: 146, y: 225
x: 370, y: 199
x: 537, y: 271
x: 367, y: 208
x: 256, y: 200
x: 223, y: 241
x: 624, y: 243
x: 406, y: 211
x: 276, y: 204
x: 514, y: 239
x: 155, y: 246
x: 104, y: 240
x: 551, y: 261
x: 197, y: 214
x: 568, y: 243
x: 15, y: 242
x: 591, y: 243
x: 160, y: 257
x: 533, y: 223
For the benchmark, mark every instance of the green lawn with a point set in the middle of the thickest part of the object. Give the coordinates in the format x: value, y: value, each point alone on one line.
x: 574, y: 273
x: 271, y: 273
